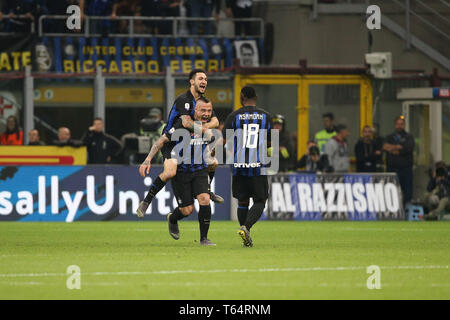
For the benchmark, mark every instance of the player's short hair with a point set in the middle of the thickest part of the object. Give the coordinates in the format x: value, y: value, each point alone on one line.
x: 248, y: 92
x: 204, y: 99
x: 328, y: 115
x: 194, y: 72
x: 98, y: 118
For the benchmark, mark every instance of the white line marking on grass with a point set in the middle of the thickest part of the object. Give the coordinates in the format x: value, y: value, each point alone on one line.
x: 164, y: 272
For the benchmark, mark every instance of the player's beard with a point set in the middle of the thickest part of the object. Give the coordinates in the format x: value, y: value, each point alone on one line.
x: 199, y: 90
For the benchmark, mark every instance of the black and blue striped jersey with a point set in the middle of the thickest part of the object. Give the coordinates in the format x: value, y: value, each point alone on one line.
x: 252, y: 132
x: 184, y: 105
x: 192, y: 160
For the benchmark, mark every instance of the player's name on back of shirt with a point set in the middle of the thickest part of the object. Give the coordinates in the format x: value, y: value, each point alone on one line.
x: 250, y: 116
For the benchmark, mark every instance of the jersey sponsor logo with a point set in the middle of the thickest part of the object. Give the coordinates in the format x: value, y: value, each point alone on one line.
x: 248, y: 165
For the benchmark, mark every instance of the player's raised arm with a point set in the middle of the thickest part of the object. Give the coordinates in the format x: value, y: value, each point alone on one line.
x: 144, y: 168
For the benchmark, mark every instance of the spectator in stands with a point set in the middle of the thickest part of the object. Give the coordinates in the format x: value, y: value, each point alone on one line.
x: 13, y: 134
x: 34, y: 138
x: 399, y: 159
x: 102, y: 147
x: 436, y: 199
x: 239, y: 9
x: 127, y: 8
x: 160, y: 8
x: 14, y: 8
x: 313, y: 161
x: 201, y: 9
x: 337, y: 149
x: 64, y: 139
x: 286, y: 150
x: 368, y: 152
x: 99, y: 8
x: 328, y: 132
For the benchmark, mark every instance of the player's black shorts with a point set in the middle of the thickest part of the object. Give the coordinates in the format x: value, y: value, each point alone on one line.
x: 256, y: 187
x: 166, y: 150
x: 187, y: 186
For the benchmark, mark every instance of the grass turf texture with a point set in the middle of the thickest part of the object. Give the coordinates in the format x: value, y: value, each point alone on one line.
x: 290, y: 260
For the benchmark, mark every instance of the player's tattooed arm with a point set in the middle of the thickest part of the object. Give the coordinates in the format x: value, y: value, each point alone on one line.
x: 188, y: 123
x: 144, y: 169
x: 212, y: 124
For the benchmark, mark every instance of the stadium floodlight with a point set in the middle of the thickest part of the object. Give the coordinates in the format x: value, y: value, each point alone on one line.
x: 380, y: 64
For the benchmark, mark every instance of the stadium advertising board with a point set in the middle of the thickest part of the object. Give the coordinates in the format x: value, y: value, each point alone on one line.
x: 335, y: 197
x: 42, y: 155
x: 91, y: 193
x: 133, y: 55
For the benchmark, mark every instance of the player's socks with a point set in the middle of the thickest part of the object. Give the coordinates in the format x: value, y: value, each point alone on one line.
x: 242, y: 213
x: 156, y: 186
x: 176, y: 215
x: 254, y: 214
x: 211, y: 175
x: 204, y: 219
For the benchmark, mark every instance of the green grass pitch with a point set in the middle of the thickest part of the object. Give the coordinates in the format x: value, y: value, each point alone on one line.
x: 290, y: 260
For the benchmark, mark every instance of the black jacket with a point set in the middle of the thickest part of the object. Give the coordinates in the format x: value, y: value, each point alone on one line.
x: 68, y: 143
x: 366, y: 158
x: 100, y: 146
x: 286, y: 164
x: 322, y: 165
x: 405, y: 158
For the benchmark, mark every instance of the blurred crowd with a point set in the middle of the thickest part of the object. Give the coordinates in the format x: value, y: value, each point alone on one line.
x: 18, y: 15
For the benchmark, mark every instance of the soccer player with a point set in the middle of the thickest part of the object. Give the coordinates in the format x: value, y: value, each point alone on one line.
x: 182, y: 112
x: 248, y: 179
x: 191, y: 179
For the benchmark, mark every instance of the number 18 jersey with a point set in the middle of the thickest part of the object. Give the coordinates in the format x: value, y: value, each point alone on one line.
x: 251, y: 127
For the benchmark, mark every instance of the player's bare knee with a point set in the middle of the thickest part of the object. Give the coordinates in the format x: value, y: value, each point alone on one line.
x: 213, y: 166
x: 186, y: 211
x: 203, y: 199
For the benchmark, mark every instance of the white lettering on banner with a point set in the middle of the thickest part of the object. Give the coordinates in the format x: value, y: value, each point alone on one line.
x: 375, y: 197
x: 54, y: 194
x: 24, y: 205
x: 391, y: 197
x: 41, y: 188
x: 287, y: 193
x: 360, y: 204
x: 72, y: 206
x: 340, y: 197
x: 5, y: 205
x: 124, y: 196
x: 331, y: 207
x: 277, y: 198
x: 109, y: 195
x: 319, y: 198
x: 162, y: 197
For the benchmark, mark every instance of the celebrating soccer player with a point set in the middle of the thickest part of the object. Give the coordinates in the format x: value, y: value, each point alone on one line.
x: 250, y: 146
x: 182, y: 112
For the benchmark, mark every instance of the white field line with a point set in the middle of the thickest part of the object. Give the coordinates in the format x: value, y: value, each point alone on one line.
x: 260, y: 270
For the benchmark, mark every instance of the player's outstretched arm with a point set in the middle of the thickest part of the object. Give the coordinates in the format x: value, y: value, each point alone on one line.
x: 144, y: 168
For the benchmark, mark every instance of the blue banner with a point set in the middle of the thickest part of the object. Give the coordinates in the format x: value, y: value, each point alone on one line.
x: 91, y: 193
x: 135, y: 55
x: 355, y: 197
